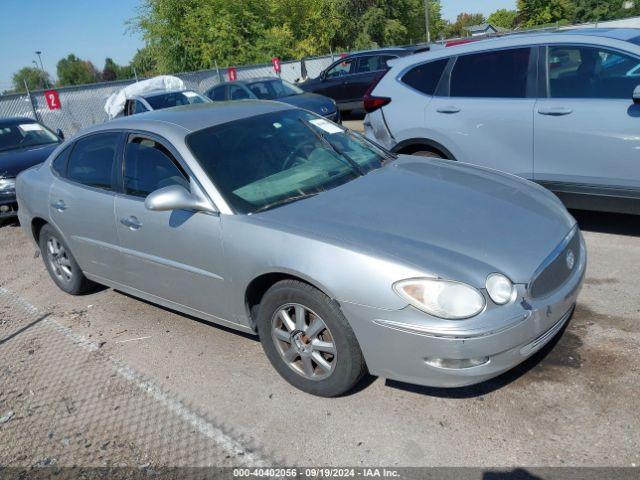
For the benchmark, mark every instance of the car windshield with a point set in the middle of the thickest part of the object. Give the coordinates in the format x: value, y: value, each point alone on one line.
x: 174, y: 99
x: 25, y: 134
x: 272, y: 89
x: 265, y: 161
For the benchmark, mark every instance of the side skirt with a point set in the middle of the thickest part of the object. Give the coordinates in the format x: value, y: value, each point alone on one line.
x: 169, y: 304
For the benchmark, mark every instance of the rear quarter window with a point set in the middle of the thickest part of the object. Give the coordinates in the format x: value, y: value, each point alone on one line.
x: 425, y: 77
x: 59, y: 164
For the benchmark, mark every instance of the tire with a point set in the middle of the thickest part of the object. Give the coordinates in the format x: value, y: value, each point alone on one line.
x: 60, y: 263
x: 427, y: 153
x: 329, y: 374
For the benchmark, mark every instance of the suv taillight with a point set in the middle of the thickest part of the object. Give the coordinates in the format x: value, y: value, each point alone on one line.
x: 371, y: 102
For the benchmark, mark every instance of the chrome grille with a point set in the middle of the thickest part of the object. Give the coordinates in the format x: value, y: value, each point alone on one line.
x: 555, y: 270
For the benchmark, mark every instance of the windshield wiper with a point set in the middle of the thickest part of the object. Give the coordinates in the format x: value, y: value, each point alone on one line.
x: 353, y: 164
x: 284, y: 201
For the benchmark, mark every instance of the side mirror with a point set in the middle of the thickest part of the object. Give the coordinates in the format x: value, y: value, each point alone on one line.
x: 60, y: 134
x: 323, y: 76
x: 636, y: 95
x: 176, y: 197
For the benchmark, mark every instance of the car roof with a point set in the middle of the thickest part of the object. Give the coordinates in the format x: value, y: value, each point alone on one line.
x: 5, y: 122
x: 157, y: 93
x: 579, y: 35
x: 248, y: 80
x: 194, y: 117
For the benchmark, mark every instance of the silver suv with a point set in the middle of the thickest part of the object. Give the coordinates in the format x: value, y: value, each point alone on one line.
x: 562, y: 109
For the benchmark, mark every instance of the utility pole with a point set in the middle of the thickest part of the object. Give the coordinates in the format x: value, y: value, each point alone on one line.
x: 426, y: 20
x: 39, y: 54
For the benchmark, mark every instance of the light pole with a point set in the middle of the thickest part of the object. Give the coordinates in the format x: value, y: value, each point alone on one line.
x: 426, y: 20
x: 39, y: 54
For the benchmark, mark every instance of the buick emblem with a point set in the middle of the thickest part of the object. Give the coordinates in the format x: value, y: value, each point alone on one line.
x: 570, y: 259
x: 324, y: 109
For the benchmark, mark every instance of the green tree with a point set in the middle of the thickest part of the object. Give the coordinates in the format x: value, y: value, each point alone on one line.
x: 34, y: 77
x: 144, y: 63
x: 75, y: 71
x: 503, y: 18
x: 183, y: 35
x: 112, y: 71
x: 532, y: 13
x: 600, y: 10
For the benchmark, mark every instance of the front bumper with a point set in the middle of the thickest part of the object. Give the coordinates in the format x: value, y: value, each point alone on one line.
x: 8, y: 206
x: 398, y: 343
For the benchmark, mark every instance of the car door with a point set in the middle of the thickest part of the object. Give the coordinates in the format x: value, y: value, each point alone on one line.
x: 238, y: 92
x: 484, y: 111
x: 587, y: 128
x: 368, y: 68
x: 335, y: 79
x: 81, y: 199
x: 173, y: 255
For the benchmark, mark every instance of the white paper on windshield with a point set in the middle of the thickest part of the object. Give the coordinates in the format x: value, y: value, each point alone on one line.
x: 190, y: 94
x: 30, y: 127
x: 326, y: 125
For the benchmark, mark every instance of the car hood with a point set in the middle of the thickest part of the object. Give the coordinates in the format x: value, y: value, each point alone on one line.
x: 449, y: 219
x: 13, y: 162
x: 311, y: 101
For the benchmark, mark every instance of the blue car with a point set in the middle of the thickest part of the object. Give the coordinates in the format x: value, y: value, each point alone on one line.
x: 23, y: 143
x: 272, y: 88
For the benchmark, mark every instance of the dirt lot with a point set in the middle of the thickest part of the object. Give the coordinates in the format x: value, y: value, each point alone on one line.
x: 106, y: 379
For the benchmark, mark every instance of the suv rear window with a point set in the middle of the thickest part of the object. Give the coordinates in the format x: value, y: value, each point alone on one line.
x: 500, y: 74
x: 425, y: 77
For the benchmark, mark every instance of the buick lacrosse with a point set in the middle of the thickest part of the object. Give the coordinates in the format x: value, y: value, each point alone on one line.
x: 342, y: 257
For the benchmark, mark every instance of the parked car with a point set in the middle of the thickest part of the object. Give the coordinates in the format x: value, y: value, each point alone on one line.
x: 343, y: 258
x: 159, y: 99
x: 346, y: 80
x: 557, y: 108
x: 24, y: 143
x: 270, y: 88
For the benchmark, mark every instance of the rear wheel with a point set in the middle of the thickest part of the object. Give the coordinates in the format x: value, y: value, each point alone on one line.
x: 308, y: 340
x: 60, y: 263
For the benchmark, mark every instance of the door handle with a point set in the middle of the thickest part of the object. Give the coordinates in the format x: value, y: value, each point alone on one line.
x: 132, y: 223
x: 554, y: 111
x: 59, y: 206
x: 448, y: 109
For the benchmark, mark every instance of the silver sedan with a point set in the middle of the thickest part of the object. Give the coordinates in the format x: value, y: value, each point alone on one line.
x: 343, y: 258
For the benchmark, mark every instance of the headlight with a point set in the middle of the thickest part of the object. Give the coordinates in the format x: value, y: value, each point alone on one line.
x: 500, y: 288
x: 441, y: 298
x: 7, y: 186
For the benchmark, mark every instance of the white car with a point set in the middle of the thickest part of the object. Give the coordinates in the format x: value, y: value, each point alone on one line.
x: 562, y: 109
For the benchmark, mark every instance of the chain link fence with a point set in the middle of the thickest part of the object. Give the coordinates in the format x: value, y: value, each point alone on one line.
x: 83, y: 105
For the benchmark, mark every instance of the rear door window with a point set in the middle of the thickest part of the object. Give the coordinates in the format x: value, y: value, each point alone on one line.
x: 219, y: 93
x: 425, y: 77
x: 588, y: 72
x: 498, y: 74
x: 92, y: 160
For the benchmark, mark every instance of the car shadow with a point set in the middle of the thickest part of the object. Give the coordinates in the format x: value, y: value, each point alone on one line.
x: 487, y: 386
x: 604, y: 222
x: 191, y: 317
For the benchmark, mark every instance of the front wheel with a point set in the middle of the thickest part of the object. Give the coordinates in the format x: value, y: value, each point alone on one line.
x: 308, y: 340
x: 427, y: 153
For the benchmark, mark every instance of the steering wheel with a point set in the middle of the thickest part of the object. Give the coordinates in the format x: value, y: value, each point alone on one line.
x: 299, y: 156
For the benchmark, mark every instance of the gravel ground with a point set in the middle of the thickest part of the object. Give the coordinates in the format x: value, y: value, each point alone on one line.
x: 105, y: 379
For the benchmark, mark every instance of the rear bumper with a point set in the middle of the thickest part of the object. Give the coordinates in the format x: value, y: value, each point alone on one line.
x: 403, y: 344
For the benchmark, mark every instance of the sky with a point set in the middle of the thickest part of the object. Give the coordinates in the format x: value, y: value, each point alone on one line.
x: 95, y: 29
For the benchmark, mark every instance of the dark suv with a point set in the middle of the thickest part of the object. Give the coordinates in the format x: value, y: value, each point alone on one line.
x: 346, y: 80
